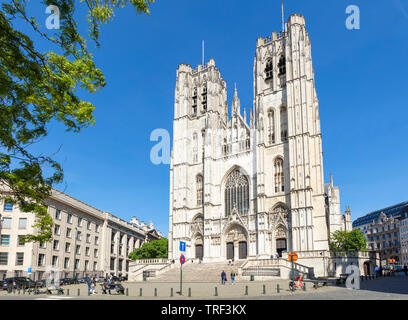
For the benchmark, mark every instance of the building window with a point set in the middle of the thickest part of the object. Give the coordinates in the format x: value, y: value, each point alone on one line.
x: 69, y: 218
x: 112, y: 248
x: 79, y: 221
x: 88, y: 238
x: 284, y: 124
x: 97, y: 228
x: 236, y: 193
x: 282, y: 66
x: 76, y: 263
x: 79, y: 235
x: 5, y: 239
x: 86, y: 265
x: 199, y: 187
x: 95, y: 253
x: 279, y: 176
x: 56, y: 245
x: 269, y: 70
x: 22, y: 223
x: 96, y: 240
x: 194, y: 102
x: 66, y: 263
x: 54, y: 261
x: 271, y: 126
x: 3, y: 258
x: 41, y: 259
x: 69, y: 233
x: 19, y: 258
x: 95, y: 264
x: 58, y: 214
x: 87, y: 251
x: 88, y: 225
x: 8, y: 206
x: 20, y: 241
x: 57, y: 230
x: 6, y: 223
x: 204, y: 98
x: 67, y: 247
x: 78, y: 249
x: 112, y: 263
x: 43, y: 245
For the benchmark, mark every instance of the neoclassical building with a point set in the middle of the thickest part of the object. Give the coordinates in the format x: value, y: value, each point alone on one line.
x: 254, y: 188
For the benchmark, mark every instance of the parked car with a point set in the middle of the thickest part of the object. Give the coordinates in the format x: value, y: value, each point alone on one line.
x: 41, y: 283
x: 18, y: 283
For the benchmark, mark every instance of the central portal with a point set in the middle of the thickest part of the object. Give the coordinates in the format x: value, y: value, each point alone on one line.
x: 230, y: 250
x: 236, y: 242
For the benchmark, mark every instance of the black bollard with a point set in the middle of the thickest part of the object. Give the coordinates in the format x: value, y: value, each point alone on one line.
x: 277, y: 288
x: 304, y: 286
x: 216, y: 291
x: 246, y: 290
x: 67, y: 292
x: 155, y: 292
x: 189, y: 292
x: 264, y: 289
x: 171, y: 292
x: 127, y: 291
x: 140, y: 292
x: 79, y: 292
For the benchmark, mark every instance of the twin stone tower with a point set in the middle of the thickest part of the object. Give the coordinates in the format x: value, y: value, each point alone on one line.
x: 251, y: 189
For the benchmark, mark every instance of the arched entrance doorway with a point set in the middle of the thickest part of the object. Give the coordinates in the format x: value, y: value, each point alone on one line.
x: 281, y: 246
x: 236, y: 243
x: 367, y: 268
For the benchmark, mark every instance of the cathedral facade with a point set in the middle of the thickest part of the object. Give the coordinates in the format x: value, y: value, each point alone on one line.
x: 251, y: 187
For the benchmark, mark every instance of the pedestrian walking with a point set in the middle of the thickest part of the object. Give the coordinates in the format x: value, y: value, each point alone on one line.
x: 232, y: 277
x: 223, y: 277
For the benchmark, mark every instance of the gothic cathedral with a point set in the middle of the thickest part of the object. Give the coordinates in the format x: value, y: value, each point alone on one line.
x: 251, y: 189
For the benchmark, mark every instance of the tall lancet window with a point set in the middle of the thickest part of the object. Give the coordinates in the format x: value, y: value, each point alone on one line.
x: 279, y: 176
x: 204, y: 97
x: 284, y: 123
x: 194, y: 102
x: 282, y: 66
x: 195, y: 148
x: 269, y: 70
x: 271, y: 126
x: 237, y: 193
x: 199, y: 186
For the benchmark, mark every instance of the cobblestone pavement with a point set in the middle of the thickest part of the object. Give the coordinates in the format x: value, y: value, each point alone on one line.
x: 395, y: 288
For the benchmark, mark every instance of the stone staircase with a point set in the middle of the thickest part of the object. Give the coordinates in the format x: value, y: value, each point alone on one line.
x: 195, y: 272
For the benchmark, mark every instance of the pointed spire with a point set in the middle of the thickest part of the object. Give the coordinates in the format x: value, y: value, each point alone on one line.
x: 236, y: 91
x: 331, y: 180
x: 245, y: 115
x: 236, y: 104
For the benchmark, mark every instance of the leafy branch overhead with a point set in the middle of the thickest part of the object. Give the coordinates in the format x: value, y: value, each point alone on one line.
x: 348, y: 241
x: 38, y: 87
x: 151, y: 250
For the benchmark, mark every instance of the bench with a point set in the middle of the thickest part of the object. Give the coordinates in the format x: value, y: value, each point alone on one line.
x: 342, y: 279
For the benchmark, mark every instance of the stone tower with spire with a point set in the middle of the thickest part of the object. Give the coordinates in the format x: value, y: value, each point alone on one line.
x: 256, y: 189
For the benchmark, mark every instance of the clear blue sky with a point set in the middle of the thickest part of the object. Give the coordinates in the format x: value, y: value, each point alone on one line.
x: 361, y: 79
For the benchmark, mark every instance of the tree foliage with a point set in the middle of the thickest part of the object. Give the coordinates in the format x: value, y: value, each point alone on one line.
x: 348, y: 241
x: 151, y: 250
x: 39, y: 87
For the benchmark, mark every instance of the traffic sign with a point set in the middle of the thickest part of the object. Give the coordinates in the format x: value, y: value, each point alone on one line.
x: 29, y: 270
x: 182, y: 259
x: 293, y: 257
x: 182, y: 246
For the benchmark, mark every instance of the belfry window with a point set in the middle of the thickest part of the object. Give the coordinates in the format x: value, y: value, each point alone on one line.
x: 271, y: 127
x: 269, y: 70
x: 195, y: 148
x: 194, y: 102
x: 282, y: 66
x: 279, y: 176
x: 199, y: 186
x: 204, y: 98
x: 236, y: 193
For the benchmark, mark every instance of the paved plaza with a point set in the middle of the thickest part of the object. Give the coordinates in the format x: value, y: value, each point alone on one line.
x: 395, y: 288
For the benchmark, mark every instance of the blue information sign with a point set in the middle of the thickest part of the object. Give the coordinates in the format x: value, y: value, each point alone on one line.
x: 29, y: 270
x: 182, y: 246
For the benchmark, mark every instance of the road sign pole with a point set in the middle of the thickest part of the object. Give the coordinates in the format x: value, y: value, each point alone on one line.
x: 181, y: 279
